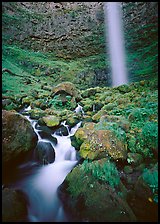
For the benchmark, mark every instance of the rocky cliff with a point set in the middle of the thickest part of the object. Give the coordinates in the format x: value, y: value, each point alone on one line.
x: 72, y: 35
x: 69, y: 29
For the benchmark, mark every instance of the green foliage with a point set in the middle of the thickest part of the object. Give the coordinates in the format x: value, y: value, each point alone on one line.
x: 56, y: 101
x: 58, y: 104
x: 68, y: 103
x: 150, y: 134
x: 145, y: 139
x: 150, y: 176
x: 140, y: 114
x: 106, y: 171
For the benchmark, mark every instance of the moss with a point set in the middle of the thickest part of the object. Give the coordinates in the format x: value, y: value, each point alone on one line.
x: 51, y: 121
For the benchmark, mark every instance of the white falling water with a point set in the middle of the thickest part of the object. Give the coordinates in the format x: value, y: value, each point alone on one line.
x: 79, y: 109
x: 114, y: 35
x: 42, y: 186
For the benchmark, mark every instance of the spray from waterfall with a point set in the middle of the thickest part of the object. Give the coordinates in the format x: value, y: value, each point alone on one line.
x: 115, y: 40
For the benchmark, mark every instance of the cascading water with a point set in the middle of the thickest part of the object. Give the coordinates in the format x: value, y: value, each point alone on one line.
x: 41, y: 186
x: 115, y: 40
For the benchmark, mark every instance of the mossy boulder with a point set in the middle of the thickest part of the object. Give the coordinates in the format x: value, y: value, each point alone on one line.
x: 89, y: 92
x: 96, y: 117
x: 73, y: 119
x: 87, y: 104
x: 120, y: 121
x: 123, y: 88
x: 18, y: 136
x: 96, y: 144
x: 51, y: 121
x: 68, y: 88
x: 103, y: 143
x: 28, y: 100
x: 95, y: 201
x: 36, y: 113
x: 109, y: 106
x: 134, y: 158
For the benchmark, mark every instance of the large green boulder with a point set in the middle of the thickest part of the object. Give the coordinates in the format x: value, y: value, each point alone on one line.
x: 68, y: 88
x: 96, y: 144
x: 18, y: 136
x: 96, y: 201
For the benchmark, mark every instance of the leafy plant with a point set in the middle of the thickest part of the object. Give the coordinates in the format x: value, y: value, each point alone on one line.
x: 150, y: 176
x: 105, y: 171
x: 56, y: 102
x: 150, y: 134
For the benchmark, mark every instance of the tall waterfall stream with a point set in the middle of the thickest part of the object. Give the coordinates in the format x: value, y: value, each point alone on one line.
x: 41, y: 185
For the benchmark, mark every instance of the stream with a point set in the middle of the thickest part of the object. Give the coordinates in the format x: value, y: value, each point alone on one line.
x: 40, y: 183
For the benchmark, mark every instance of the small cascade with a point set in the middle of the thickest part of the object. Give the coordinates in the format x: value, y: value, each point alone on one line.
x: 41, y: 186
x: 79, y: 109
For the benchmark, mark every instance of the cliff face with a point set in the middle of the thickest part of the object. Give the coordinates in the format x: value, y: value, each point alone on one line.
x: 69, y: 29
x: 76, y: 31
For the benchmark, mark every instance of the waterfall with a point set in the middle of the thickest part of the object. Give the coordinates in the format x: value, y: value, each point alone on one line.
x: 114, y: 36
x: 41, y: 186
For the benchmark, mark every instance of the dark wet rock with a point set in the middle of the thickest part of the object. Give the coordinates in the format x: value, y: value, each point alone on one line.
x: 44, y: 153
x: 14, y: 206
x: 45, y: 135
x: 62, y: 131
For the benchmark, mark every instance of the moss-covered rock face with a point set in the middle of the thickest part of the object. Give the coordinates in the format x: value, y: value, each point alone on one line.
x: 18, y: 136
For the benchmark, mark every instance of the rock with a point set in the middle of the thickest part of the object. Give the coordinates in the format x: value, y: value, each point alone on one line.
x: 62, y: 131
x: 72, y: 119
x: 89, y: 92
x: 109, y: 106
x: 36, y: 113
x: 96, y: 144
x: 14, y: 207
x: 48, y: 136
x: 98, y: 115
x: 67, y: 87
x: 27, y: 100
x: 18, y: 136
x: 44, y: 152
x: 94, y: 201
x: 51, y: 121
x: 120, y: 120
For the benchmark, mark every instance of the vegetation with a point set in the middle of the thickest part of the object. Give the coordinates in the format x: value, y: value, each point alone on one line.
x: 151, y: 178
x: 129, y: 111
x: 106, y: 171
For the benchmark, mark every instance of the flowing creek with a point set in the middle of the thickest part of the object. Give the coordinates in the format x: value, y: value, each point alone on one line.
x: 41, y: 184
